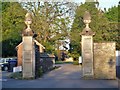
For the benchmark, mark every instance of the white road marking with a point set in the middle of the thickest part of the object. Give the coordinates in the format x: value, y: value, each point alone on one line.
x: 3, y: 79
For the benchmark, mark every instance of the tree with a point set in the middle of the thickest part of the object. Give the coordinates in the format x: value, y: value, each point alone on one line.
x: 50, y: 21
x: 12, y: 25
x: 112, y: 15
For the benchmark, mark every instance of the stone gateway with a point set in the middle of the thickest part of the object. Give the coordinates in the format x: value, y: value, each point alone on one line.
x: 99, y: 59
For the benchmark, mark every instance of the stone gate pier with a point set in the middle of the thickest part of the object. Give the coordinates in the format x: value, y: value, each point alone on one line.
x: 87, y: 47
x: 28, y: 62
x: 99, y: 59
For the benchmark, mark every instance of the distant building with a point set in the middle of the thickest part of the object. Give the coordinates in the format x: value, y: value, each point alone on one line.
x: 64, y: 45
x: 19, y: 51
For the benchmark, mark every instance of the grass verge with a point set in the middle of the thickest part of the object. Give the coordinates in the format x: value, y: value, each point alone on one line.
x: 63, y: 62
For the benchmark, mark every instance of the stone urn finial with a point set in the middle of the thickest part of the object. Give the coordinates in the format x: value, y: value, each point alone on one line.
x: 87, y: 19
x: 28, y: 21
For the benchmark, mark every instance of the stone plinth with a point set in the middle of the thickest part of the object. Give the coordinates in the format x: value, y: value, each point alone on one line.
x: 104, y: 60
x: 28, y: 57
x: 87, y: 56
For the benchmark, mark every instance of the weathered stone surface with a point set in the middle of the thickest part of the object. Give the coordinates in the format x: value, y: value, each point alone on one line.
x: 27, y: 43
x: 28, y: 57
x: 87, y: 56
x: 104, y: 60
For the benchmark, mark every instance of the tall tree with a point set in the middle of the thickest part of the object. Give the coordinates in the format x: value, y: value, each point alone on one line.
x: 50, y: 21
x: 12, y: 25
x: 112, y: 15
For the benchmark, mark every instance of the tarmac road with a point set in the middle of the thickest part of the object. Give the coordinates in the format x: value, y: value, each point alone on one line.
x: 67, y: 76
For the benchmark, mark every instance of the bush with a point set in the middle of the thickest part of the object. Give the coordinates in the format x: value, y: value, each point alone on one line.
x: 40, y: 72
x: 16, y: 75
x: 75, y: 62
x: 75, y: 55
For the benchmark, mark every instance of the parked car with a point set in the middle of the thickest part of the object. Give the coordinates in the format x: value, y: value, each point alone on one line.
x: 4, y: 63
x: 7, y: 63
x: 4, y: 66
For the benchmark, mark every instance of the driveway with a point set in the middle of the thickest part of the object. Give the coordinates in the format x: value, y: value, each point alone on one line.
x: 66, y: 71
x: 67, y: 76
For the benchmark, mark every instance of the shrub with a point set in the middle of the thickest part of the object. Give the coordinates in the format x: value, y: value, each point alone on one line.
x: 40, y: 72
x: 75, y: 62
x: 16, y: 75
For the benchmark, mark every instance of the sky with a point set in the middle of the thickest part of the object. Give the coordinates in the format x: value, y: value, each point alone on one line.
x: 104, y: 3
x: 108, y: 3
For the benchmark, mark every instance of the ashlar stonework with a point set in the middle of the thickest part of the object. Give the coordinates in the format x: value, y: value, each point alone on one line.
x: 105, y: 60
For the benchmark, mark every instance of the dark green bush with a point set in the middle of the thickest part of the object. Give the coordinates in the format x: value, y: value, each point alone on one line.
x: 40, y: 72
